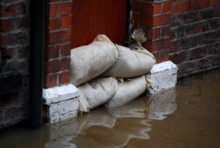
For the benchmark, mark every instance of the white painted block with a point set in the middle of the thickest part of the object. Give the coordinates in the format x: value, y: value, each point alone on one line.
x: 63, y: 102
x: 164, y: 76
x: 64, y: 107
x: 58, y: 94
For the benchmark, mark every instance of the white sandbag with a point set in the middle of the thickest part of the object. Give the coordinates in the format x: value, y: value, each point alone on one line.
x: 96, y: 92
x: 87, y: 62
x: 128, y: 91
x: 131, y: 63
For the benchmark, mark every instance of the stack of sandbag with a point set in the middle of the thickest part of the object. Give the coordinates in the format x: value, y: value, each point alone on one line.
x: 88, y: 62
x: 103, y: 58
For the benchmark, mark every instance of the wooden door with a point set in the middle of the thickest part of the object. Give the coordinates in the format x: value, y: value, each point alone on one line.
x: 93, y: 17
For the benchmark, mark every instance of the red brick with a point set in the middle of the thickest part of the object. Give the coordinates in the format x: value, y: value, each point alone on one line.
x: 66, y: 22
x: 207, y: 14
x: 52, y: 24
x: 157, y: 56
x: 199, y: 4
x: 11, y: 39
x: 214, y: 2
x: 58, y: 9
x: 146, y: 20
x: 164, y: 55
x: 189, y: 17
x: 65, y: 64
x: 22, y: 22
x: 152, y: 34
x: 58, y: 37
x: 189, y: 42
x: 51, y: 66
x: 157, y: 45
x: 161, y: 19
x: 50, y: 80
x: 52, y: 38
x: 205, y: 26
x: 173, y: 34
x: 167, y: 6
x: 65, y: 49
x: 64, y: 77
x: 51, y: 52
x: 174, y: 46
x: 136, y: 6
x: 179, y: 57
x: 172, y: 9
x: 6, y: 25
x: 165, y: 31
x: 135, y: 19
x: 151, y: 21
x: 65, y: 36
x: 13, y: 9
x: 197, y: 53
x: 206, y: 62
x: 183, y: 6
x: 151, y: 8
x: 198, y: 28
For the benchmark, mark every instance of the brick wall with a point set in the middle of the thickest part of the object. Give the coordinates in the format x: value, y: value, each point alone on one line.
x: 14, y: 36
x: 154, y: 17
x: 195, y: 36
x: 57, y: 42
x: 186, y: 32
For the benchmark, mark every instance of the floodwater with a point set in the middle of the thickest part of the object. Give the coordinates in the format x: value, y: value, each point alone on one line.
x: 185, y: 117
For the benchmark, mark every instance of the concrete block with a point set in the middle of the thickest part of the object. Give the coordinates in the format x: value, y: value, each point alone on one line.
x: 164, y: 76
x: 59, y: 94
x: 62, y: 102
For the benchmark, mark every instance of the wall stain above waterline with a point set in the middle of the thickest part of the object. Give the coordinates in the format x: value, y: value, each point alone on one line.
x: 187, y: 116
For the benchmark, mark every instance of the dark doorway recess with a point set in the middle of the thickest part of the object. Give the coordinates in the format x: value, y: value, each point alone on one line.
x: 93, y: 17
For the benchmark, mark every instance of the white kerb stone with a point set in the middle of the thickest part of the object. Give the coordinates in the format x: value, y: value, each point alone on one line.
x: 164, y: 76
x: 63, y: 102
x: 59, y: 94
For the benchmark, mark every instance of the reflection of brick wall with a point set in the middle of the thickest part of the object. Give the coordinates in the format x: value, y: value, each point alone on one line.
x: 57, y: 42
x: 154, y: 17
x: 194, y: 35
x: 14, y: 36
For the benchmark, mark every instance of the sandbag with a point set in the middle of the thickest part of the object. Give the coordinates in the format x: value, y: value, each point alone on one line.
x: 87, y: 62
x: 131, y: 63
x: 128, y: 91
x: 96, y: 92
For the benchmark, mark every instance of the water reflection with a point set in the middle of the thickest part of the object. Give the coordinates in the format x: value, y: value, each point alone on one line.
x: 107, y: 127
x: 162, y: 104
x: 113, y: 127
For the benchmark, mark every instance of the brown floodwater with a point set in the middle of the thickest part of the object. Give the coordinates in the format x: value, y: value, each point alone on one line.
x: 185, y: 117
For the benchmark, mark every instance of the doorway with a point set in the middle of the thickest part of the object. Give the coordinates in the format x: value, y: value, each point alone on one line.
x: 93, y: 17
